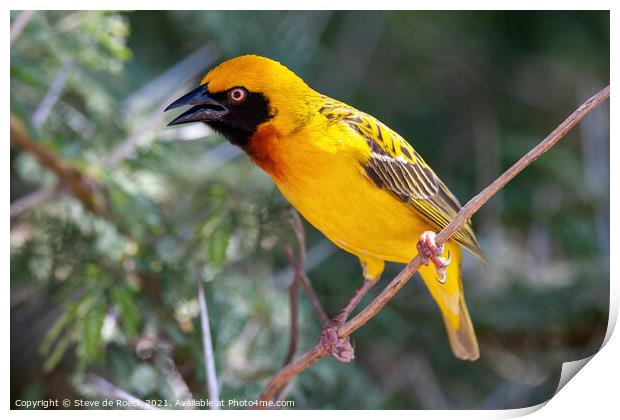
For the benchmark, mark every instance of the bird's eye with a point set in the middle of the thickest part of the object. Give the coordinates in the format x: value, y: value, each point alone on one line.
x: 237, y: 95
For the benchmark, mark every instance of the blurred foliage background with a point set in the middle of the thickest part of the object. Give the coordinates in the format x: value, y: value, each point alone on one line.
x: 115, y: 218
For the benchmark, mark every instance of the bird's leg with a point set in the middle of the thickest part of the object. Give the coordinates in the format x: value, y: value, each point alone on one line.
x: 330, y: 341
x: 429, y: 251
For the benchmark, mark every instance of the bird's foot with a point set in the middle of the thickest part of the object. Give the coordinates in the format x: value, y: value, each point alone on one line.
x: 331, y: 343
x: 429, y: 251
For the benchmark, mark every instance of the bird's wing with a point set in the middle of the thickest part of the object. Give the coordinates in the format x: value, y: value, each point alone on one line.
x: 396, y: 167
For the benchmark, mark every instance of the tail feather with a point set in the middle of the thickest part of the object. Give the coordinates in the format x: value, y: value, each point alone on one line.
x: 463, y: 339
x: 450, y: 298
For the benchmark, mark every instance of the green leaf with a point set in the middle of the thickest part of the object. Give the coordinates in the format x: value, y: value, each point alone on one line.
x: 217, y: 243
x: 61, y: 323
x: 55, y: 356
x: 89, y: 346
x: 125, y: 301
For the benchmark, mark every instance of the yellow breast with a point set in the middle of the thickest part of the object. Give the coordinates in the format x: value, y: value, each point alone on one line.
x: 320, y: 172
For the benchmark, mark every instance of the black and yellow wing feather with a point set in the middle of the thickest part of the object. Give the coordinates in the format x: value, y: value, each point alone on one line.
x: 396, y: 167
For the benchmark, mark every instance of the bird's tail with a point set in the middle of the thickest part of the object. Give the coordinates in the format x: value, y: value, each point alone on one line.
x: 451, y: 301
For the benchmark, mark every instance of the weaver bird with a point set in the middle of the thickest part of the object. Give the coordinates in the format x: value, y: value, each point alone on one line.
x: 348, y: 174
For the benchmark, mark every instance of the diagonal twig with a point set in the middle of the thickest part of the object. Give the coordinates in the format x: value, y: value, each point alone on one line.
x: 298, y: 229
x: 299, y: 276
x: 51, y: 97
x: 32, y: 199
x: 285, y: 374
x: 313, y: 299
x: 112, y: 392
x: 82, y: 186
x: 129, y: 145
x: 20, y: 23
x: 122, y: 151
x: 293, y: 291
x: 207, y: 343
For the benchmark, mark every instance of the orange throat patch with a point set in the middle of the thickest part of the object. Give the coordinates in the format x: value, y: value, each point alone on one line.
x: 262, y: 149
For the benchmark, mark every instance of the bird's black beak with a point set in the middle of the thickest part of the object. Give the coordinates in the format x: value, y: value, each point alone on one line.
x: 205, y: 108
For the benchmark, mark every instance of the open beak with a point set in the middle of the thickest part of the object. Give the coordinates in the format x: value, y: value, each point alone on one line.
x: 205, y: 108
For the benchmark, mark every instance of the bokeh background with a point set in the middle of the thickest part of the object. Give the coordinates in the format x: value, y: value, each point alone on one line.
x: 115, y: 218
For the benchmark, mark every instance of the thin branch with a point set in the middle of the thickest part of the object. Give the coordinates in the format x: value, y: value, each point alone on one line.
x: 299, y: 276
x: 82, y: 186
x: 288, y: 372
x: 284, y: 375
x: 298, y: 229
x: 314, y: 300
x: 298, y: 265
x: 126, y: 147
x: 207, y: 55
x: 471, y: 207
x: 112, y: 392
x: 155, y: 89
x: 20, y: 23
x: 317, y: 308
x: 122, y: 151
x: 293, y: 292
x: 32, y: 199
x: 51, y: 97
x: 179, y: 387
x: 212, y: 385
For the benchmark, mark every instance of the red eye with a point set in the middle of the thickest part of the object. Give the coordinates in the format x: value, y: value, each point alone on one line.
x: 237, y: 95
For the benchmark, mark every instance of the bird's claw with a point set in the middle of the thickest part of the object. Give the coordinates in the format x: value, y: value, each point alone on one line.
x: 430, y: 251
x: 331, y: 343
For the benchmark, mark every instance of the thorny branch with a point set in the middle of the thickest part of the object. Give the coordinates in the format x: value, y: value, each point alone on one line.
x: 286, y: 373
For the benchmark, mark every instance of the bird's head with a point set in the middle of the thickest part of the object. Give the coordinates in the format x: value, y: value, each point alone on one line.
x: 239, y: 95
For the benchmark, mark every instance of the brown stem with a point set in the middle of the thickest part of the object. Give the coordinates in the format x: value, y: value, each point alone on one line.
x: 298, y: 229
x: 314, y: 300
x: 285, y: 374
x: 471, y: 207
x: 299, y: 276
x: 82, y: 186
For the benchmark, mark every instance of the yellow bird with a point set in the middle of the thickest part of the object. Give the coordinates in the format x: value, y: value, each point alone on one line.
x: 349, y: 175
